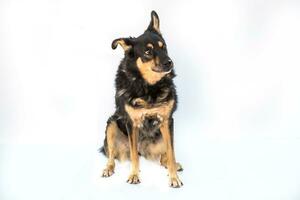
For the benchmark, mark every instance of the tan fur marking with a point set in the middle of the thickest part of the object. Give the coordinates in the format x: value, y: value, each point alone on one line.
x: 148, y: 74
x: 152, y: 150
x: 133, y: 144
x: 123, y: 44
x: 171, y: 162
x: 160, y: 44
x: 139, y: 102
x: 156, y: 149
x: 150, y: 45
x: 164, y: 162
x: 156, y: 24
x: 133, y: 149
x: 112, y: 129
x: 161, y: 110
x: 111, y: 132
x: 117, y: 145
x: 121, y: 147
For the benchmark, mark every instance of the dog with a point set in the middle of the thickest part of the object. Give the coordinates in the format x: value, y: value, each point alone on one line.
x: 145, y: 99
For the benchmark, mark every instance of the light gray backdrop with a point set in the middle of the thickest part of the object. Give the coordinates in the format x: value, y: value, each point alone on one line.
x: 237, y: 130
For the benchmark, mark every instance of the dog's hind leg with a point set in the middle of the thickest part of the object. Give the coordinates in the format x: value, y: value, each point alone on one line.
x: 164, y: 163
x: 111, y: 131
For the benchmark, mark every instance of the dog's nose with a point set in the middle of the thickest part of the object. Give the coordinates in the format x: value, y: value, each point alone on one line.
x: 168, y: 64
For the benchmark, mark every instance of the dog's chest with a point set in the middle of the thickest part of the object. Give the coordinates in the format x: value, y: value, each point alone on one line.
x: 153, y: 96
x: 148, y: 107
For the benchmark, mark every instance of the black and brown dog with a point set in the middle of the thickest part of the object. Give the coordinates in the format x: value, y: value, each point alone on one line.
x: 145, y: 102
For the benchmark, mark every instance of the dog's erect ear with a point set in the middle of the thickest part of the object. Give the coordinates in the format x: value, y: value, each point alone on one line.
x: 154, y: 24
x: 126, y: 43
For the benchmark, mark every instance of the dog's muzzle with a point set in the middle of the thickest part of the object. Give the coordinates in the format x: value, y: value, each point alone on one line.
x: 165, y: 67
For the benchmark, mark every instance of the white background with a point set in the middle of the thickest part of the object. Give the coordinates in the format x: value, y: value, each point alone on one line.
x: 237, y: 129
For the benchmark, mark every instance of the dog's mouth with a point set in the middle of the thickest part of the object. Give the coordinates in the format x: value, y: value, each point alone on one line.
x: 160, y: 70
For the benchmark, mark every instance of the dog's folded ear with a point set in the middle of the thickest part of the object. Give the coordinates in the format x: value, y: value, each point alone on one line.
x: 126, y: 43
x: 154, y: 23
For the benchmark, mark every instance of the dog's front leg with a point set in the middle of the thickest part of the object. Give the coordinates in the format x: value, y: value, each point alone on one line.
x: 136, y: 118
x: 171, y: 163
x: 133, y: 140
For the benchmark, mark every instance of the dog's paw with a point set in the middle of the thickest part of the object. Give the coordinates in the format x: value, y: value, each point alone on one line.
x: 179, y: 167
x: 175, y: 182
x: 107, y: 172
x: 133, y: 179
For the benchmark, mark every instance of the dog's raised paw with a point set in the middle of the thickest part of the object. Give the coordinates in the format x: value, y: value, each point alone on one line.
x: 133, y: 179
x: 107, y: 172
x: 175, y: 182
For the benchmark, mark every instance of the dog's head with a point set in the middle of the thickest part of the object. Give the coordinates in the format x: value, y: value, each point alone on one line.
x: 149, y: 52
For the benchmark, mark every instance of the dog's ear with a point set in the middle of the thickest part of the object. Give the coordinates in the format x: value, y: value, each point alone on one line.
x: 126, y: 43
x: 154, y: 23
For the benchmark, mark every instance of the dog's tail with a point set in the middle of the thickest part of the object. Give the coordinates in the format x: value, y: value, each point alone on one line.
x: 102, y: 150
